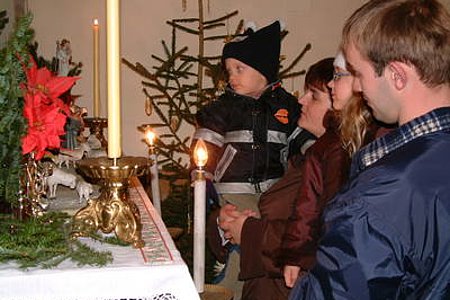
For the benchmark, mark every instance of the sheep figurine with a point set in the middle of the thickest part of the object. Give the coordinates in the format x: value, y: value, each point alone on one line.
x: 60, y: 177
x: 84, y: 190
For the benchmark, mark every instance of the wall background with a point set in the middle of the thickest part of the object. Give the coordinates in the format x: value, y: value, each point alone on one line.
x: 143, y: 27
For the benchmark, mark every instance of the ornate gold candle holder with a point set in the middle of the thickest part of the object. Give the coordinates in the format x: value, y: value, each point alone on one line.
x: 111, y: 211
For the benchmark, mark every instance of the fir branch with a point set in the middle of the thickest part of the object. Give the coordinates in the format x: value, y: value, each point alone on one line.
x: 12, y: 123
x: 296, y: 60
x: 224, y: 18
x: 183, y: 28
x: 44, y: 242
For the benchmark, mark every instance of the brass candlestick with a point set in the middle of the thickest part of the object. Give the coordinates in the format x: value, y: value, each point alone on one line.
x: 111, y: 211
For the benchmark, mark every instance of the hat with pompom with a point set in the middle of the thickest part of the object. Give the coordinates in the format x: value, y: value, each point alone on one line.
x: 258, y: 49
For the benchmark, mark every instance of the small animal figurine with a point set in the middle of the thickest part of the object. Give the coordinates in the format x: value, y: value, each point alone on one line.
x: 60, y: 177
x: 84, y: 190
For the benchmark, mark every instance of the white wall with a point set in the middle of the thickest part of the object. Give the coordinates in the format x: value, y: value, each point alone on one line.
x: 143, y: 27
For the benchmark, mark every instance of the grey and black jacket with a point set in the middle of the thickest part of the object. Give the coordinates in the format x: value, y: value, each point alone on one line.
x: 245, y: 136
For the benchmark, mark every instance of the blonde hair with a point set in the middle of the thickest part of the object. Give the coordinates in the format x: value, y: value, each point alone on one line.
x: 416, y: 32
x: 355, y: 120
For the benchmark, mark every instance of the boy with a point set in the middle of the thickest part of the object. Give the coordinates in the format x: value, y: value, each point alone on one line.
x: 248, y: 126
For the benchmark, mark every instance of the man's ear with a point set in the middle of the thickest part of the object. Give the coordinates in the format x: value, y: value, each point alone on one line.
x: 398, y: 74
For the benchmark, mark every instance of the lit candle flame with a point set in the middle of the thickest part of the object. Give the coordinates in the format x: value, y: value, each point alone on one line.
x: 95, y: 22
x: 150, y: 136
x: 200, y: 154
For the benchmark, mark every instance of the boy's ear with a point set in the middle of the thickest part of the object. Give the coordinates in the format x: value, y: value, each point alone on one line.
x: 398, y: 74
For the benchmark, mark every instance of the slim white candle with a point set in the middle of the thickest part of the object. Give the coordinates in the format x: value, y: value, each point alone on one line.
x: 199, y: 233
x: 200, y: 158
x: 113, y: 67
x: 95, y: 29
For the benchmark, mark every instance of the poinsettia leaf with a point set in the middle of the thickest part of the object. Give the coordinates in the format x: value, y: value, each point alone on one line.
x: 53, y: 142
x: 62, y: 106
x: 28, y: 143
x: 58, y: 85
x: 43, y: 75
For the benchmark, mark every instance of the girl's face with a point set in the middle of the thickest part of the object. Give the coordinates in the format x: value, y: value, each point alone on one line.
x: 315, y: 104
x: 341, y: 88
x: 245, y: 80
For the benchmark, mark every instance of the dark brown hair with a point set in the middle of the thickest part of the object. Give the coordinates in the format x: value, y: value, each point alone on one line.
x: 319, y: 74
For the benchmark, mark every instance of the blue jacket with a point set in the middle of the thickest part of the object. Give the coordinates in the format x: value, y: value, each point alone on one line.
x: 387, y: 233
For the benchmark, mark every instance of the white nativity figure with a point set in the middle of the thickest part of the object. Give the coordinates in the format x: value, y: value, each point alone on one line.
x: 64, y: 57
x: 84, y: 190
x: 68, y: 157
x: 60, y: 177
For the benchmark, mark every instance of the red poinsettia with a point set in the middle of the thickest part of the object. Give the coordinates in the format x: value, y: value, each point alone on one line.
x: 45, y: 112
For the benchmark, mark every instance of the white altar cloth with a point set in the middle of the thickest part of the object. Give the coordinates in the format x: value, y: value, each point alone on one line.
x: 155, y: 272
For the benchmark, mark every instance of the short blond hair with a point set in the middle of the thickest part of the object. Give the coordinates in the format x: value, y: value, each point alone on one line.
x: 415, y: 32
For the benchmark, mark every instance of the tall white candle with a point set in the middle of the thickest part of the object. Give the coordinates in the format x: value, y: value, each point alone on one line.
x: 96, y: 76
x: 199, y: 232
x: 113, y: 68
x: 200, y: 158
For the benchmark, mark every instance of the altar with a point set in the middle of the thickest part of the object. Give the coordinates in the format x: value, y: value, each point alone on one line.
x: 154, y: 272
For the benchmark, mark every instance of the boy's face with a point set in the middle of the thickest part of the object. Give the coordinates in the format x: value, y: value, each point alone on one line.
x: 243, y: 79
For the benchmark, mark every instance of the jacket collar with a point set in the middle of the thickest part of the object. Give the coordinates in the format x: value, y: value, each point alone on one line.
x: 435, y: 120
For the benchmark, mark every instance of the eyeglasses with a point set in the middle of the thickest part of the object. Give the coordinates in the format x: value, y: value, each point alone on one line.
x: 338, y: 75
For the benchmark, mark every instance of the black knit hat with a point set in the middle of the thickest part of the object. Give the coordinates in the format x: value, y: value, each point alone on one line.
x: 260, y: 50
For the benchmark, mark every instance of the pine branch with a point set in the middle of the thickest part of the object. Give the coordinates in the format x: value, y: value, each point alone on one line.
x: 296, y: 60
x: 183, y: 28
x: 12, y: 123
x: 44, y: 242
x: 224, y: 18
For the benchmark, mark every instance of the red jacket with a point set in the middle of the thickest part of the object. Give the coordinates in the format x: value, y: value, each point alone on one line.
x: 324, y: 171
x: 261, y: 238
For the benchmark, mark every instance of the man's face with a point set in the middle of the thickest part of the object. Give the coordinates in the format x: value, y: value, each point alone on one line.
x: 376, y: 90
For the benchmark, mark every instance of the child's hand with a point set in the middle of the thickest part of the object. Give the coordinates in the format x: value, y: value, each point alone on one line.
x: 290, y: 275
x: 231, y: 222
x: 226, y: 214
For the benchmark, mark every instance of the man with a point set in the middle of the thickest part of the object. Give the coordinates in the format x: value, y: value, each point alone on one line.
x: 387, y: 233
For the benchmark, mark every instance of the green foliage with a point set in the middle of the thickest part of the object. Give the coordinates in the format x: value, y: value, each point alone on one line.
x: 12, y: 122
x: 44, y: 242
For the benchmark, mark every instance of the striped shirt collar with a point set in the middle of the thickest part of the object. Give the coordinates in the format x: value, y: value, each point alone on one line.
x: 436, y: 120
